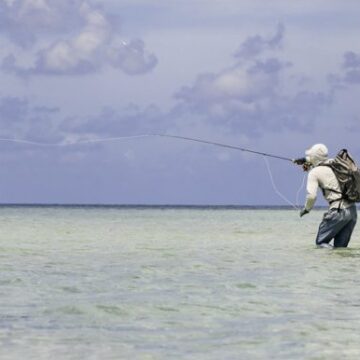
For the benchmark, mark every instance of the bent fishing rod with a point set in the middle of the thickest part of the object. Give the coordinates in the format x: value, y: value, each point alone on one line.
x: 225, y: 146
x: 79, y: 142
x: 98, y: 140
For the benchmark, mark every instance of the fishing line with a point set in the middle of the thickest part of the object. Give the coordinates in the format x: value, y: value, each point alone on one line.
x: 275, y: 187
x: 109, y: 139
x: 301, y: 187
x: 224, y: 145
x: 70, y: 143
x: 79, y: 142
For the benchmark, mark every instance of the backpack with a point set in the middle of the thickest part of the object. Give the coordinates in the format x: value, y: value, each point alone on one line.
x: 348, y: 175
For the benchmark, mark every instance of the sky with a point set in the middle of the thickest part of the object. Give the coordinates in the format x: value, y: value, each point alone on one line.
x: 272, y: 76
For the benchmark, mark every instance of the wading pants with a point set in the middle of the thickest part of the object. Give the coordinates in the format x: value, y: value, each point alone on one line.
x: 337, y: 224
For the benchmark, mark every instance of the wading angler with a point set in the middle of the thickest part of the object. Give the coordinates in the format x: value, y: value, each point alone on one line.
x: 339, y: 180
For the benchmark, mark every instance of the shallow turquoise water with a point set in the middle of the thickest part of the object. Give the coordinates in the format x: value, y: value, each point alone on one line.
x: 117, y: 283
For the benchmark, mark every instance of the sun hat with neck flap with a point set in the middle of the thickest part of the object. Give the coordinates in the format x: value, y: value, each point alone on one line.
x: 316, y: 154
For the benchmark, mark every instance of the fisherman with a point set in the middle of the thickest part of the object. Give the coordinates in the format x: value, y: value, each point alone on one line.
x: 339, y: 221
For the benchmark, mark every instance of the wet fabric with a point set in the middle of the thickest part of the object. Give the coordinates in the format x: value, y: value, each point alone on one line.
x: 337, y: 224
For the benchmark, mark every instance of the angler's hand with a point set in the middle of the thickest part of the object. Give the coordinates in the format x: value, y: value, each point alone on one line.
x: 304, y: 164
x: 300, y: 161
x: 303, y: 212
x: 306, y: 167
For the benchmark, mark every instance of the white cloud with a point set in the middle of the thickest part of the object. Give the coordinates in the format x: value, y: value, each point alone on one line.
x: 131, y: 57
x: 81, y: 43
x: 250, y: 96
x: 65, y: 56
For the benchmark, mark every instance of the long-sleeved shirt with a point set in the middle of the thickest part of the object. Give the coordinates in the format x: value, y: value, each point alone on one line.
x: 324, y: 177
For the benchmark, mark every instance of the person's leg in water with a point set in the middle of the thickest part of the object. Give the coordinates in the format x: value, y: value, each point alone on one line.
x: 343, y: 237
x: 331, y: 225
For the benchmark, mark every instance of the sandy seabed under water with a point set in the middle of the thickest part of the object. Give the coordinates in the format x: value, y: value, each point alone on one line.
x: 151, y: 283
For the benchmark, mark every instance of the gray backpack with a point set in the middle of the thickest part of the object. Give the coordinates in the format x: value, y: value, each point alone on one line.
x: 348, y: 175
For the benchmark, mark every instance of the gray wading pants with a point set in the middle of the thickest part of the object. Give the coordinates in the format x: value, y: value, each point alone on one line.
x: 337, y: 224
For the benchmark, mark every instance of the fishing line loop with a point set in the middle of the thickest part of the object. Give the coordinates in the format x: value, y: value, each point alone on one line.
x: 109, y: 139
x: 277, y: 190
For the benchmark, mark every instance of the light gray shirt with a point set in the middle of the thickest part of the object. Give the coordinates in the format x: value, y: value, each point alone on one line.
x: 323, y: 177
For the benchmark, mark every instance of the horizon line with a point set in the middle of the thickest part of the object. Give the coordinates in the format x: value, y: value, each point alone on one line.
x: 139, y: 205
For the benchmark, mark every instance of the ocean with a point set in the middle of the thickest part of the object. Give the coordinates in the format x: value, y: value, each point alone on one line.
x: 174, y: 283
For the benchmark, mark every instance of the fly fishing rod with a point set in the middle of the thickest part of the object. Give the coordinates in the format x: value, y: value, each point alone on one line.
x: 110, y: 139
x: 79, y: 142
x: 224, y: 145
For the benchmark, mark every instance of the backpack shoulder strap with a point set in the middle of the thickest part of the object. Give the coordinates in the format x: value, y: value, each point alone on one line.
x: 329, y: 165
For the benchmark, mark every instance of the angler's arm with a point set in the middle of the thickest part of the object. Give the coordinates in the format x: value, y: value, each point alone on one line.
x: 311, y: 188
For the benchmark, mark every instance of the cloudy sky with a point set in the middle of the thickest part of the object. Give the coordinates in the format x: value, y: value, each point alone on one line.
x: 273, y: 76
